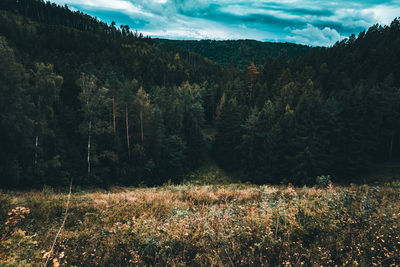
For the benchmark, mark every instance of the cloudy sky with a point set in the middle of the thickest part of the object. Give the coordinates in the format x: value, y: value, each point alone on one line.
x: 311, y: 22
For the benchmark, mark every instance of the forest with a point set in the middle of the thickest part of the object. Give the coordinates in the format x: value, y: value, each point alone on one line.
x: 238, y: 53
x: 104, y: 105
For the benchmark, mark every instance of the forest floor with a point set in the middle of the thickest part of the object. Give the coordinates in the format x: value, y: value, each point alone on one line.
x: 231, y: 224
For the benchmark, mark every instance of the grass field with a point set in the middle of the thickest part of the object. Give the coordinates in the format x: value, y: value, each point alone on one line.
x: 203, y: 225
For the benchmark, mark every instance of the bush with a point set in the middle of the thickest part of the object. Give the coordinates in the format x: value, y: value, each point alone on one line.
x: 323, y: 181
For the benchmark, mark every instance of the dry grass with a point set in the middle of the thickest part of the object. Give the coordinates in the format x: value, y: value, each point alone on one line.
x: 237, y: 225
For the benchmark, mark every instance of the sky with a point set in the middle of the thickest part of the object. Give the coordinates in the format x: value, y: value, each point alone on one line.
x: 310, y: 22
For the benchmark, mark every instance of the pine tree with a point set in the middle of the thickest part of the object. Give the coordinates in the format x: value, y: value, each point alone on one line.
x: 272, y: 156
x: 307, y: 161
x: 172, y: 159
x: 250, y: 145
x: 16, y: 120
x: 129, y: 89
x: 195, y: 143
x: 45, y: 93
x: 94, y: 99
x: 229, y: 135
x: 252, y: 74
x: 142, y: 104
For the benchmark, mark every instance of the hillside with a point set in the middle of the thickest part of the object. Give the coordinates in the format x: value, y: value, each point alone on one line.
x: 44, y: 41
x: 238, y: 53
x: 334, y: 111
x: 83, y: 100
x: 194, y: 153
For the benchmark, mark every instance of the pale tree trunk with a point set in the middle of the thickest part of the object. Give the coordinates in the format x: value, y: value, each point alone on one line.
x: 37, y: 137
x: 88, y: 147
x: 127, y: 129
x: 36, y: 148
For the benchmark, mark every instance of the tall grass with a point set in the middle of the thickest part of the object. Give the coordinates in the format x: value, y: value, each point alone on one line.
x: 188, y: 225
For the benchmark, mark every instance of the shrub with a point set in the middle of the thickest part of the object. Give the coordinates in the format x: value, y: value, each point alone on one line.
x: 323, y: 181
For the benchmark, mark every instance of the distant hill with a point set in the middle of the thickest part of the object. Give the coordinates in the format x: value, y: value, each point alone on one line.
x: 238, y: 53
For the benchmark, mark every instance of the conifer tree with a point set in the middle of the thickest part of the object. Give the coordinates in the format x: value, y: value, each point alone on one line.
x: 229, y: 135
x: 16, y: 121
x: 307, y: 161
x: 145, y: 110
x: 94, y: 99
x: 45, y: 93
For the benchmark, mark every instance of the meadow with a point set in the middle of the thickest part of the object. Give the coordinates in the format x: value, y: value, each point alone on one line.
x: 203, y: 225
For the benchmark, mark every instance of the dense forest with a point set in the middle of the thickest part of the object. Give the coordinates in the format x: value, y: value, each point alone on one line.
x: 83, y: 100
x: 238, y: 53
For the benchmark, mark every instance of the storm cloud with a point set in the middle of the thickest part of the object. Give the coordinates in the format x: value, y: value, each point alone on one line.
x: 311, y: 22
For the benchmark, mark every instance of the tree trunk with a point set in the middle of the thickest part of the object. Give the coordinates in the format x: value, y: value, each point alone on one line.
x: 37, y: 135
x: 114, y: 114
x: 88, y: 147
x: 127, y: 129
x: 36, y: 148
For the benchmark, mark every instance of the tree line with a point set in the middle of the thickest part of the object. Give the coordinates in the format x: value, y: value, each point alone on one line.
x: 84, y: 100
x: 332, y: 112
x: 238, y: 53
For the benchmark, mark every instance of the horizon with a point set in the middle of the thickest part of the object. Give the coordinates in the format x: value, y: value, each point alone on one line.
x: 313, y: 23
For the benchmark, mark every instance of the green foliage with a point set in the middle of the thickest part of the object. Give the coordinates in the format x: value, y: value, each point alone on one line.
x: 172, y: 158
x: 229, y: 134
x: 210, y: 174
x: 84, y: 100
x: 239, y: 53
x: 328, y: 112
x: 16, y: 121
x: 323, y: 181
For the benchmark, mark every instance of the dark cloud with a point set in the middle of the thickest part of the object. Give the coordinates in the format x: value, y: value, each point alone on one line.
x: 347, y: 30
x: 313, y: 12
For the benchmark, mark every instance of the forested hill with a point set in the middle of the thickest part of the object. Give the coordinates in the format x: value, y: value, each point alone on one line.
x: 44, y: 31
x: 238, y: 53
x: 67, y: 78
x: 104, y: 105
x: 332, y: 112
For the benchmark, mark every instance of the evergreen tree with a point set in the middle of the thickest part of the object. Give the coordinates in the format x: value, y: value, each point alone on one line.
x: 307, y: 161
x: 229, y: 135
x: 45, y: 94
x: 250, y: 145
x: 16, y: 121
x: 269, y: 170
x: 172, y: 159
x: 95, y: 101
x: 144, y: 110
